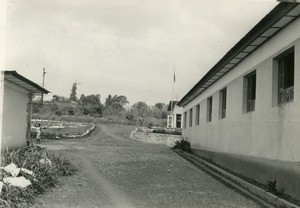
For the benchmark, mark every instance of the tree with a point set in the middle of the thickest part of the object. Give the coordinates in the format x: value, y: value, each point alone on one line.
x: 122, y: 100
x: 141, y: 109
x: 159, y: 105
x: 114, y: 105
x: 90, y: 104
x: 90, y: 100
x: 108, y: 101
x: 117, y: 101
x: 159, y: 111
x: 61, y: 99
x: 73, y: 96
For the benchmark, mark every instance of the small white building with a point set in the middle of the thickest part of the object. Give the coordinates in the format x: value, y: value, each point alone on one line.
x: 174, y: 120
x: 17, y: 92
x: 244, y: 114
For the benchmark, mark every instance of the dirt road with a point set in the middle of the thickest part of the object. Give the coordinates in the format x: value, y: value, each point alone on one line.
x: 118, y: 172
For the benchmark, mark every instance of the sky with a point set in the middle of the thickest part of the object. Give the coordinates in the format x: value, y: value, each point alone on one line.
x: 125, y: 47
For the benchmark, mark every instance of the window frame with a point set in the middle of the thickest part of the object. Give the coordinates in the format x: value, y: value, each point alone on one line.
x: 250, y: 92
x: 223, y: 103
x: 191, y: 117
x: 209, y: 109
x: 197, y: 117
x: 286, y: 76
x: 178, y: 120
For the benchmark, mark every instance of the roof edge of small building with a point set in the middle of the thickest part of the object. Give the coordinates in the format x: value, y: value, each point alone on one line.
x: 15, y: 74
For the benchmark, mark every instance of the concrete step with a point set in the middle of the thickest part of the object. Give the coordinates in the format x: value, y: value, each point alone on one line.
x: 258, y: 194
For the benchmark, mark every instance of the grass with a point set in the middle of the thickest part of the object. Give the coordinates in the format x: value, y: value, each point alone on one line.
x: 47, y: 168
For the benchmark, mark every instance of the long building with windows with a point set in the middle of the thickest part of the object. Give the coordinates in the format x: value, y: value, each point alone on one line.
x: 244, y: 114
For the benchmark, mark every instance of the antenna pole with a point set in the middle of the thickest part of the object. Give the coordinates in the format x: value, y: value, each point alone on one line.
x: 172, y: 105
x: 44, y: 73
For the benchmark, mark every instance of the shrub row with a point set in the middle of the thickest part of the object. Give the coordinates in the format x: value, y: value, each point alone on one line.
x: 167, y: 131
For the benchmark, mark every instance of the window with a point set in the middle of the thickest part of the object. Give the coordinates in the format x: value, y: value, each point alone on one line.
x: 178, y: 120
x: 251, y: 91
x: 184, y: 120
x: 209, y: 109
x: 197, y: 115
x: 286, y: 76
x: 223, y: 95
x: 191, y: 118
x: 170, y: 122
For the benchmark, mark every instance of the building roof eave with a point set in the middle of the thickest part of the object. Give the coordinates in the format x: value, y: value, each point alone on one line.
x: 283, y: 14
x: 23, y: 82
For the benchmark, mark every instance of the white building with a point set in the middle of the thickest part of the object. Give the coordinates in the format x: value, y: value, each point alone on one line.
x: 244, y: 114
x: 174, y: 120
x: 17, y: 92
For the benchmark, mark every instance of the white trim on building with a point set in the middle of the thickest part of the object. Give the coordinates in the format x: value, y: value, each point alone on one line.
x: 174, y: 120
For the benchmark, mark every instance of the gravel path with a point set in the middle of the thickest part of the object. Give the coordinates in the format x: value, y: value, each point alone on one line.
x: 116, y: 171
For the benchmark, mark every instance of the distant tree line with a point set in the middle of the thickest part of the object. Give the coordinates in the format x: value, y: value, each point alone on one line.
x: 115, y: 106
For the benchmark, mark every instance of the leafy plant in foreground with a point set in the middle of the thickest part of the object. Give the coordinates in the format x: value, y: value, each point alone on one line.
x: 46, y: 166
x: 184, y: 145
x: 272, y: 188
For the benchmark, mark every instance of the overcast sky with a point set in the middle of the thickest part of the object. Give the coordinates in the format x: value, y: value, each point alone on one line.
x: 125, y: 47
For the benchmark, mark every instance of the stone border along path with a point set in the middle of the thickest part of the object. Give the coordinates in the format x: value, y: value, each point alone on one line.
x: 155, y: 138
x: 70, y: 136
x: 84, y: 134
x: 263, y: 197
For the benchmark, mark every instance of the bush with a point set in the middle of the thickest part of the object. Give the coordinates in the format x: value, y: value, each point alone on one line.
x: 184, y: 145
x: 64, y: 166
x: 12, y: 196
x: 47, y: 167
x: 167, y: 131
x: 272, y: 188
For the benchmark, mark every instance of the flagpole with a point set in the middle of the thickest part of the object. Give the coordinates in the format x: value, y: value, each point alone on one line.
x: 172, y: 106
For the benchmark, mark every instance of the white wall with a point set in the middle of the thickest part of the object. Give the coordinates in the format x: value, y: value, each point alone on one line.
x: 271, y: 131
x: 14, y: 116
x: 3, y: 24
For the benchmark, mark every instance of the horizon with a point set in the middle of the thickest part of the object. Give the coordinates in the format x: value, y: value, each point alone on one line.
x: 127, y: 47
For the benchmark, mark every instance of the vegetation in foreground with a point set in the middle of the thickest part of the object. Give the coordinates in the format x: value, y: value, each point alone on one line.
x: 184, y: 145
x: 46, y: 168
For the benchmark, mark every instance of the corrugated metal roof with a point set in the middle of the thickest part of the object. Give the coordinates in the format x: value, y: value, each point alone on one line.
x: 23, y: 82
x: 283, y: 14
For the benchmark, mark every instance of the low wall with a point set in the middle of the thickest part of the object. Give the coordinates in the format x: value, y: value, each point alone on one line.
x: 48, y: 135
x: 262, y: 170
x: 155, y: 138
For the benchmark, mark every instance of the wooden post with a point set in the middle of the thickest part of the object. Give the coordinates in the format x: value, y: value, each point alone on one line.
x: 29, y: 115
x: 42, y: 98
